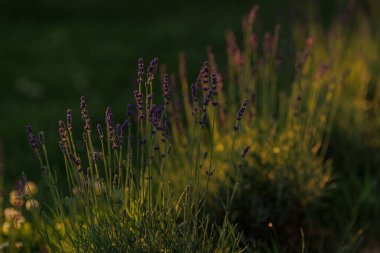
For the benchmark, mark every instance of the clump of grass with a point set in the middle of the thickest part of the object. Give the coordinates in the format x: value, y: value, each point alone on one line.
x: 120, y: 197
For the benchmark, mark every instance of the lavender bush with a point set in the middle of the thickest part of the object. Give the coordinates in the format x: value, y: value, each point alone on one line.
x: 121, y: 198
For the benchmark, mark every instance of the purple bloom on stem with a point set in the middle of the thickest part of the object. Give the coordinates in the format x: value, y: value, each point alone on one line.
x: 149, y: 100
x: 69, y: 119
x: 152, y: 70
x: 202, y: 119
x: 194, y: 91
x: 140, y: 70
x: 139, y: 102
x: 111, y: 127
x: 109, y: 117
x: 119, y: 132
x: 83, y: 107
x: 100, y: 131
x: 205, y: 75
x: 87, y: 126
x: 32, y: 139
x: 240, y: 114
x: 245, y: 151
x: 125, y: 125
x: 241, y: 110
x: 166, y: 88
x: 130, y: 110
x: 62, y: 131
x: 76, y: 161
x: 41, y: 138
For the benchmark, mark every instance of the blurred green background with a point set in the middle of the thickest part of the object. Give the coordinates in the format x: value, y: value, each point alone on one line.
x: 52, y: 52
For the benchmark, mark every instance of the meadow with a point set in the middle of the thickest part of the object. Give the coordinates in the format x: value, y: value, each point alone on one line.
x: 154, y: 130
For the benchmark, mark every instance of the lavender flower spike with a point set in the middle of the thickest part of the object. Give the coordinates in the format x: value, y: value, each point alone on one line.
x: 41, y: 138
x: 166, y: 88
x: 241, y: 110
x: 32, y: 139
x: 245, y: 151
x: 140, y: 70
x: 152, y: 70
x: 69, y: 119
x: 83, y: 107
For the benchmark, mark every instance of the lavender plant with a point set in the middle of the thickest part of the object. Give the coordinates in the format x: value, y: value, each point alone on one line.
x: 287, y: 130
x: 121, y: 198
x: 353, y: 49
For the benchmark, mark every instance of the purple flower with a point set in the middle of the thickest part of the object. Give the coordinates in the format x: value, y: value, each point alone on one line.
x: 62, y: 131
x: 119, y: 132
x: 96, y: 156
x: 125, y: 125
x: 149, y: 100
x: 63, y: 147
x: 109, y: 117
x: 111, y: 128
x: 100, y: 131
x: 41, y: 138
x: 129, y: 110
x: 194, y: 91
x: 166, y: 88
x: 205, y: 76
x: 241, y: 110
x: 69, y: 119
x: 202, y: 119
x: 32, y: 139
x: 154, y: 117
x: 139, y: 102
x: 76, y: 161
x: 83, y: 107
x: 87, y: 126
x: 240, y: 114
x: 245, y: 151
x: 152, y: 70
x: 140, y: 70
